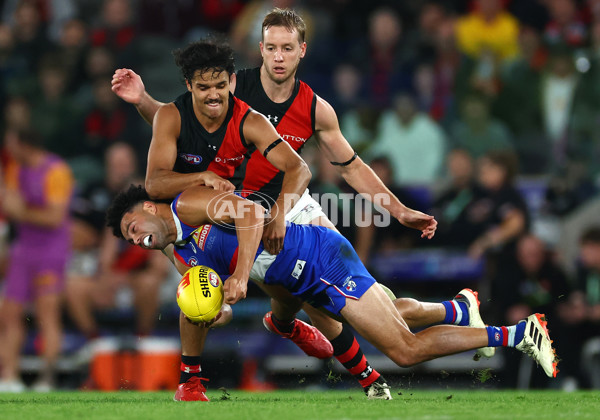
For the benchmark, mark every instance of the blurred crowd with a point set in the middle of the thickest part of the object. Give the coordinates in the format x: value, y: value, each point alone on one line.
x: 485, y: 113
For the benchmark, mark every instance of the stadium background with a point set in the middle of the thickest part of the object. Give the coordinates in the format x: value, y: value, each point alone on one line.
x: 412, y: 82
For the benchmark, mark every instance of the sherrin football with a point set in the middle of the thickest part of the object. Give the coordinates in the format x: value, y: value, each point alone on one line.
x: 200, y: 294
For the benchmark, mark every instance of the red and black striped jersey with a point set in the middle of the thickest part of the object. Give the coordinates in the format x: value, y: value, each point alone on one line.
x: 222, y: 151
x: 293, y: 119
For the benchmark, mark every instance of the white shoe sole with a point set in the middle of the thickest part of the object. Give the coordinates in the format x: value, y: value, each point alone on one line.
x: 537, y: 344
x: 475, y: 320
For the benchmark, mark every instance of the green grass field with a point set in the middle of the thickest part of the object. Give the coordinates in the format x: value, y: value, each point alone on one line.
x: 313, y: 405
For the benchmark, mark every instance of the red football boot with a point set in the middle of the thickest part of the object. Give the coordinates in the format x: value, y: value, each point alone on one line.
x: 308, y: 338
x: 192, y: 390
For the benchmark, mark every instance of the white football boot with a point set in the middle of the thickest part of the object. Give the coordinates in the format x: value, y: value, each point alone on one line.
x: 470, y: 297
x: 537, y: 344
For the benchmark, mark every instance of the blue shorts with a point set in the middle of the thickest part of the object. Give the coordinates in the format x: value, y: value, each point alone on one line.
x: 320, y: 267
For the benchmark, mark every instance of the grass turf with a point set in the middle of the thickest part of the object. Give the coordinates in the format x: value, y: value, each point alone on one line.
x: 313, y: 405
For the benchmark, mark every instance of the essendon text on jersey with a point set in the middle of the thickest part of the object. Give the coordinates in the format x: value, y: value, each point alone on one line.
x: 220, y: 159
x: 289, y: 138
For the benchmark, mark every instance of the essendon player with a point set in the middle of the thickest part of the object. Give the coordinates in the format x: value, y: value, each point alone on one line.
x: 297, y: 113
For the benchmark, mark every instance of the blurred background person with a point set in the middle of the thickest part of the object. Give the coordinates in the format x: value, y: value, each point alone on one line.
x: 403, y: 133
x: 36, y: 197
x: 101, y: 267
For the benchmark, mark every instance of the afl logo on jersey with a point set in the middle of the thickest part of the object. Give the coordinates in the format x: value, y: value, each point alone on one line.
x: 191, y: 159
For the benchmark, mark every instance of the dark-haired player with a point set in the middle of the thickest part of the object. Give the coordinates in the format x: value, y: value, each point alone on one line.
x: 297, y: 113
x: 317, y: 265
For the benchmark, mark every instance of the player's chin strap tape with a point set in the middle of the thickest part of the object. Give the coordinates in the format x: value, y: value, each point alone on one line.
x: 272, y: 146
x: 346, y: 163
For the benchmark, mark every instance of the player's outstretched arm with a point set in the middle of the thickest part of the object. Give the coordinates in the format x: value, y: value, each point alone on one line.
x: 128, y: 85
x: 360, y: 176
x: 259, y: 131
x: 201, y: 205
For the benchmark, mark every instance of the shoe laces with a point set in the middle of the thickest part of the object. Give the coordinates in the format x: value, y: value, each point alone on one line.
x: 195, y: 382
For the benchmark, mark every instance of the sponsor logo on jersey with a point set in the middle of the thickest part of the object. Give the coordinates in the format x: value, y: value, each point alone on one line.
x: 289, y: 138
x: 213, y: 279
x: 200, y: 236
x: 220, y: 159
x: 193, y: 261
x: 349, y: 284
x: 298, y: 268
x: 191, y: 159
x: 273, y: 118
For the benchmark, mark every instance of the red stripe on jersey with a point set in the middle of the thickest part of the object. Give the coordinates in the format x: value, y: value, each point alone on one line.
x: 504, y: 336
x: 232, y: 152
x: 233, y: 262
x: 295, y: 127
x: 180, y: 258
x: 348, y: 355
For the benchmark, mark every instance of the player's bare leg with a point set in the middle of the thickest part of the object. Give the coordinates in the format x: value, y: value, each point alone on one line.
x: 343, y: 345
x: 50, y: 327
x: 13, y: 333
x: 375, y: 318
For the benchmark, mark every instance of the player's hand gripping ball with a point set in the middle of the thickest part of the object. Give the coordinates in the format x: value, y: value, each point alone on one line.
x: 200, y: 294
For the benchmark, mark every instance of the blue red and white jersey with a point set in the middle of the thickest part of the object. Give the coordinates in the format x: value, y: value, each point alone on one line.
x: 316, y: 264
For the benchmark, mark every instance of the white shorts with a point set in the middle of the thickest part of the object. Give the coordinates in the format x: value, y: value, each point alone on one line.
x: 306, y: 210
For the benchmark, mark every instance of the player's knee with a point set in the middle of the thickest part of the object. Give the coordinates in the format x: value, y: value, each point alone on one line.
x: 407, y: 307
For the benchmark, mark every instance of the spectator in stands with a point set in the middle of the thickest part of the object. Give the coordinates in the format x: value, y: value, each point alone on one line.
x: 357, y: 119
x: 110, y: 121
x: 452, y: 201
x: 117, y: 31
x: 566, y: 26
x: 102, y: 266
x: 582, y: 311
x: 71, y: 48
x: 371, y: 238
x: 477, y: 131
x: 57, y: 118
x: 559, y: 86
x: 522, y: 84
x: 488, y: 39
x: 405, y: 132
x: 488, y: 32
x: 31, y: 40
x: 538, y: 285
x: 500, y: 212
x: 382, y: 58
x: 36, y: 198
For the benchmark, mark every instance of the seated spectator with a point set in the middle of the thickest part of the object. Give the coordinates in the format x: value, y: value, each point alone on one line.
x: 488, y: 29
x: 498, y: 214
x: 357, y: 119
x: 373, y: 237
x: 383, y: 58
x: 403, y: 134
x: 581, y: 314
x: 566, y: 26
x: 477, y: 131
x: 537, y: 285
x: 102, y: 266
x: 451, y: 202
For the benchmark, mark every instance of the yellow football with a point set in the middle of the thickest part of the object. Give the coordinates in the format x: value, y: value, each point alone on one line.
x: 200, y: 294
